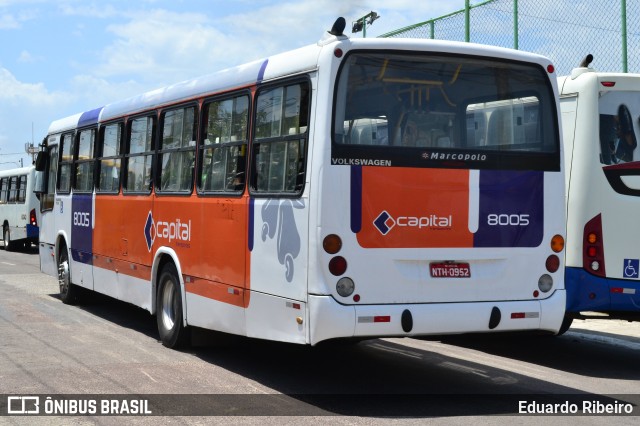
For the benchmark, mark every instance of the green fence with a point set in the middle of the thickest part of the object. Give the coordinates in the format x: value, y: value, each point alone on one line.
x: 563, y: 30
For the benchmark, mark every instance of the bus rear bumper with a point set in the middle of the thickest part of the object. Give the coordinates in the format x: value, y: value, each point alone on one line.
x: 330, y: 320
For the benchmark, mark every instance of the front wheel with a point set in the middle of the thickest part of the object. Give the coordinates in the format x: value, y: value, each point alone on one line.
x: 69, y: 293
x: 171, y: 327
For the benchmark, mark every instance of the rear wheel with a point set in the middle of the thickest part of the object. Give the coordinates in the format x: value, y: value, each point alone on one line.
x: 69, y: 293
x: 170, y: 318
x: 6, y: 238
x: 566, y: 324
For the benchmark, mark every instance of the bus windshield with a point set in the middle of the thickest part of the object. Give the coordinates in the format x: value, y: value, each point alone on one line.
x: 417, y: 110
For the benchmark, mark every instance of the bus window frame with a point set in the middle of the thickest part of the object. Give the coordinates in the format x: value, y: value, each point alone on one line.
x: 126, y: 155
x: 204, y: 121
x: 77, y: 162
x: 304, y: 80
x: 64, y: 137
x: 100, y: 156
x: 157, y: 168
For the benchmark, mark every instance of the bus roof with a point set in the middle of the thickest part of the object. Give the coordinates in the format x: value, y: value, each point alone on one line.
x: 283, y: 64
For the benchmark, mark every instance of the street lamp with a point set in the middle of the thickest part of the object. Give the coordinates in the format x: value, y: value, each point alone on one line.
x: 361, y: 24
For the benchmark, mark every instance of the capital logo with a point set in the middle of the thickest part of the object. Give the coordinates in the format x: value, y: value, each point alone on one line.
x: 176, y: 230
x: 384, y: 222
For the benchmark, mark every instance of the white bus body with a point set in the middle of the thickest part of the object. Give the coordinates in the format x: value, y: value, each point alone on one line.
x: 19, y: 208
x: 600, y: 120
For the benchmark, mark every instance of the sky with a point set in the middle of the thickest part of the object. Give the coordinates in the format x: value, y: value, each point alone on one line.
x: 58, y: 58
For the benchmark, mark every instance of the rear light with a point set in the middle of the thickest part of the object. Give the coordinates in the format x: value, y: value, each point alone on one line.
x: 33, y: 218
x: 545, y: 282
x: 345, y: 287
x: 557, y: 243
x: 332, y: 244
x: 593, y: 248
x: 338, y: 265
x: 551, y: 69
x: 608, y: 83
x: 552, y: 263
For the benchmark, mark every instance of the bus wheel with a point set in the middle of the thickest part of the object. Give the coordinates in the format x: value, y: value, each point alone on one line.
x: 172, y: 331
x: 566, y: 323
x: 69, y: 293
x: 6, y: 238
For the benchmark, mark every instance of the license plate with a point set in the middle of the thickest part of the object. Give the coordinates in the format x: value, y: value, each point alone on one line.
x: 450, y: 270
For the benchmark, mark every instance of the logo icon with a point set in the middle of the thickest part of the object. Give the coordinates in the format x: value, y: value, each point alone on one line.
x: 631, y: 268
x: 384, y: 222
x: 23, y: 405
x: 149, y: 231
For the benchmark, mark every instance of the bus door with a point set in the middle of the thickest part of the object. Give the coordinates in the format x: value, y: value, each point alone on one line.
x: 47, y: 166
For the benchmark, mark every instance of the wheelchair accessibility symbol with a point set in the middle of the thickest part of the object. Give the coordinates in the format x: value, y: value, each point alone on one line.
x: 631, y: 268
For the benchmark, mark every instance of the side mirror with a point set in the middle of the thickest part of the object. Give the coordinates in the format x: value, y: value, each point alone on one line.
x: 40, y: 185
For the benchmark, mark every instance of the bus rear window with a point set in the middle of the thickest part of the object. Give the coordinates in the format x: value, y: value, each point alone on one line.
x: 436, y: 110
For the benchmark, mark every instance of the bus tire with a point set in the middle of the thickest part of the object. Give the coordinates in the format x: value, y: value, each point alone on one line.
x: 6, y: 238
x: 169, y: 315
x: 566, y: 323
x: 69, y: 293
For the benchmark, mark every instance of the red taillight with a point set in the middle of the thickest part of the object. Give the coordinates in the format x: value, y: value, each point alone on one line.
x: 593, y: 249
x: 338, y: 265
x: 552, y: 263
x: 33, y: 218
x: 608, y: 83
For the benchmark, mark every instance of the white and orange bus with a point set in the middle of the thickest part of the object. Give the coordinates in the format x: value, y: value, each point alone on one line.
x: 601, y: 126
x: 348, y: 189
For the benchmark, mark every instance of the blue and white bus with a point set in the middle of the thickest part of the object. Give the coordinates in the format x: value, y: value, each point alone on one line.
x: 601, y: 126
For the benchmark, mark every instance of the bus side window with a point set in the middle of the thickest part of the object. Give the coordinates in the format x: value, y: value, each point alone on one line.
x: 177, y: 150
x: 109, y: 149
x: 22, y: 189
x: 47, y: 198
x: 3, y: 190
x: 224, y: 145
x: 139, y: 155
x: 64, y: 179
x: 83, y: 165
x: 280, y: 145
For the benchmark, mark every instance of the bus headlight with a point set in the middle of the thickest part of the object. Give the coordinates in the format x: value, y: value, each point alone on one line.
x: 545, y: 282
x: 345, y: 286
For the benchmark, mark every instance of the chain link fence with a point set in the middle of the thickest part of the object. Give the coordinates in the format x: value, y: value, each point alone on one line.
x: 563, y: 30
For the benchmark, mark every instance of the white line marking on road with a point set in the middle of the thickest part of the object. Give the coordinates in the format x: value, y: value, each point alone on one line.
x: 7, y: 263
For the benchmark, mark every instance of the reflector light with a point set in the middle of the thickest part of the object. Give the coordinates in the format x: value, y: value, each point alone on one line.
x: 608, y: 83
x: 557, y: 243
x: 338, y: 53
x: 338, y: 265
x: 550, y: 69
x: 356, y: 297
x: 332, y: 244
x: 536, y: 293
x: 382, y: 318
x: 616, y: 290
x: 517, y: 315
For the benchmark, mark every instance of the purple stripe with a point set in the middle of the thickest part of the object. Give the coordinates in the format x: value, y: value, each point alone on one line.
x: 263, y: 68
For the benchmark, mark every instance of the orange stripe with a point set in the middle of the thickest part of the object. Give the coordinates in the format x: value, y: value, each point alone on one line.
x: 216, y: 291
x: 122, y: 267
